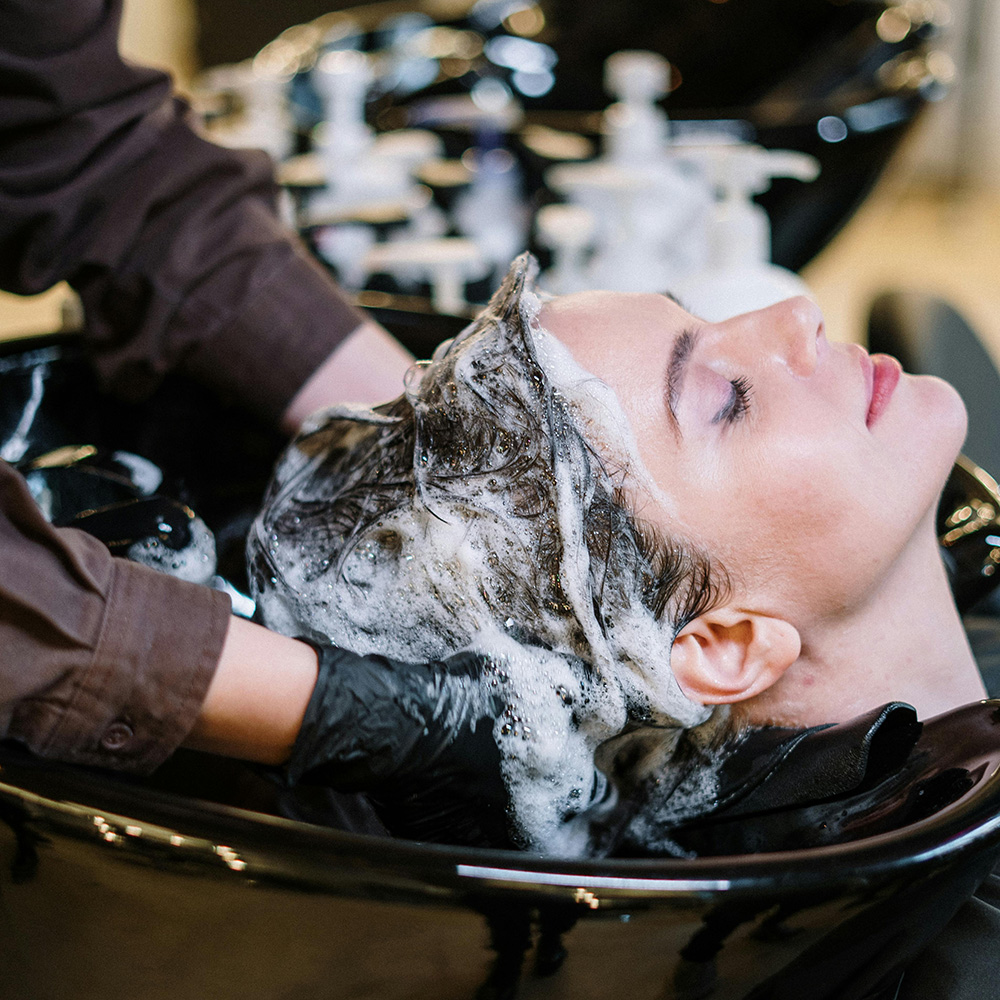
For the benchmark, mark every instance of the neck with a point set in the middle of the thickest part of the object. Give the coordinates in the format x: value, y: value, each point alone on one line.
x: 906, y: 643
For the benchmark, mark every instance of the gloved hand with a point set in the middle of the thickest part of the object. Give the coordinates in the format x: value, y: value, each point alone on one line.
x: 417, y: 738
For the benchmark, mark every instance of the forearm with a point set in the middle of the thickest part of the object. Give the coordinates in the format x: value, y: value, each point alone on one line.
x: 367, y: 367
x: 258, y: 695
x: 109, y: 663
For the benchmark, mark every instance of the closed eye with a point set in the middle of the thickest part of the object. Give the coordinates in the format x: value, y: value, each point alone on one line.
x: 738, y: 404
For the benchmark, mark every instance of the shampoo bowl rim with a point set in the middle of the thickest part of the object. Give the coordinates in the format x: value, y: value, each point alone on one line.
x: 142, y: 821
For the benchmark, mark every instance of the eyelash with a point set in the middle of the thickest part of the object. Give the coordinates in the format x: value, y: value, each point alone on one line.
x: 736, y: 409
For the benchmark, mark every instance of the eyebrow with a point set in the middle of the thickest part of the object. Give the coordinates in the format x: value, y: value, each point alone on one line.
x: 680, y: 354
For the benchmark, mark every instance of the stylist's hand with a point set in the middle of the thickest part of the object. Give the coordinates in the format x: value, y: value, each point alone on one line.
x: 416, y: 737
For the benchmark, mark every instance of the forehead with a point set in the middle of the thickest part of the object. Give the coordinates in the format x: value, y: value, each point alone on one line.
x: 603, y: 330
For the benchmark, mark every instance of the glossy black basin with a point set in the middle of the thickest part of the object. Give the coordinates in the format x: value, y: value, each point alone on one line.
x: 112, y: 887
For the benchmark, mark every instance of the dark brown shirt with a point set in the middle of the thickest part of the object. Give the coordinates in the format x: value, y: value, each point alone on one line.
x: 175, y: 247
x: 103, y: 661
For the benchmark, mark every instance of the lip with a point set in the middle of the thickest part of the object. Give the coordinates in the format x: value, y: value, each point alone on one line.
x: 883, y: 377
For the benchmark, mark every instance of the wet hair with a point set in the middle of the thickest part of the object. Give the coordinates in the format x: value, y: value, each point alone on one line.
x: 488, y: 507
x: 476, y: 434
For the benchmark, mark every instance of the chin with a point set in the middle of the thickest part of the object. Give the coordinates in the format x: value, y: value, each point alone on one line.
x: 944, y: 422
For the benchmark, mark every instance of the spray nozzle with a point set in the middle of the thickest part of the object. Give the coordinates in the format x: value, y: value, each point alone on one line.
x: 741, y: 170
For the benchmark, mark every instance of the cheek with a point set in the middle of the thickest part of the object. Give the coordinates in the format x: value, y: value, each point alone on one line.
x: 814, y: 514
x: 802, y: 481
x: 793, y: 514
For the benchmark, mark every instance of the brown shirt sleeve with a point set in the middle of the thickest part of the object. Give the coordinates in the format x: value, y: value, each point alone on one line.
x: 173, y: 243
x: 103, y: 661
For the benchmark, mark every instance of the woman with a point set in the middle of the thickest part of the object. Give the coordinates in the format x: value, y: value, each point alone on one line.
x: 639, y: 519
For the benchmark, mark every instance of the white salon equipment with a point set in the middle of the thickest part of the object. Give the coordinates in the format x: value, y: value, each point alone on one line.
x: 568, y: 231
x: 354, y: 175
x: 345, y: 248
x: 369, y: 178
x: 263, y: 120
x: 739, y: 276
x: 410, y: 147
x: 648, y: 205
x: 448, y: 264
x: 492, y: 210
x: 636, y: 127
x: 342, y: 78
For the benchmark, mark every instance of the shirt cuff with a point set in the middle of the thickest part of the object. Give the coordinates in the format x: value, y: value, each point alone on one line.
x: 160, y: 642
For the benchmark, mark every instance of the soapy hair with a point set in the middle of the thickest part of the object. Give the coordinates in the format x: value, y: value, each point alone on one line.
x: 487, y: 508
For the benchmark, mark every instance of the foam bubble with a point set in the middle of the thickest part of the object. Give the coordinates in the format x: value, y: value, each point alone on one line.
x: 195, y: 562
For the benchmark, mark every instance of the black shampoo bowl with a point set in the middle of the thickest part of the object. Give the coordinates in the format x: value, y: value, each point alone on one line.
x: 109, y: 887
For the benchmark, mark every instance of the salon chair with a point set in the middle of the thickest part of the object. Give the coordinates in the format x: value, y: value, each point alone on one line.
x: 188, y: 885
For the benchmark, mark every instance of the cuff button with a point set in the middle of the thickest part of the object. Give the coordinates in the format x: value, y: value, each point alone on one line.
x: 117, y: 736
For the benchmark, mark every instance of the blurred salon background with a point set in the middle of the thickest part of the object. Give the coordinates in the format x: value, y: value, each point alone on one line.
x: 930, y: 222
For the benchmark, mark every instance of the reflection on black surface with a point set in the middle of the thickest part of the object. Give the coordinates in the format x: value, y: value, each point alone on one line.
x: 513, y: 928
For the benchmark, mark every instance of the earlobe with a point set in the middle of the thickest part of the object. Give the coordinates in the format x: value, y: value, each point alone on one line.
x: 730, y: 655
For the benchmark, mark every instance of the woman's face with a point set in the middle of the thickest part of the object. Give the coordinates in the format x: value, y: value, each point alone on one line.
x: 806, y: 467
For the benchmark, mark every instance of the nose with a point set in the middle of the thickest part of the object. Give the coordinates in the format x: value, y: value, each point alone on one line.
x: 792, y: 330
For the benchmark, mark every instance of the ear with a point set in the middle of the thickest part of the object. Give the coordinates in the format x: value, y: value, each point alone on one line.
x: 729, y: 655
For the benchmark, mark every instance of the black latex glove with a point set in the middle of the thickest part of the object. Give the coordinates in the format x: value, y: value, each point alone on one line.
x: 417, y: 738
